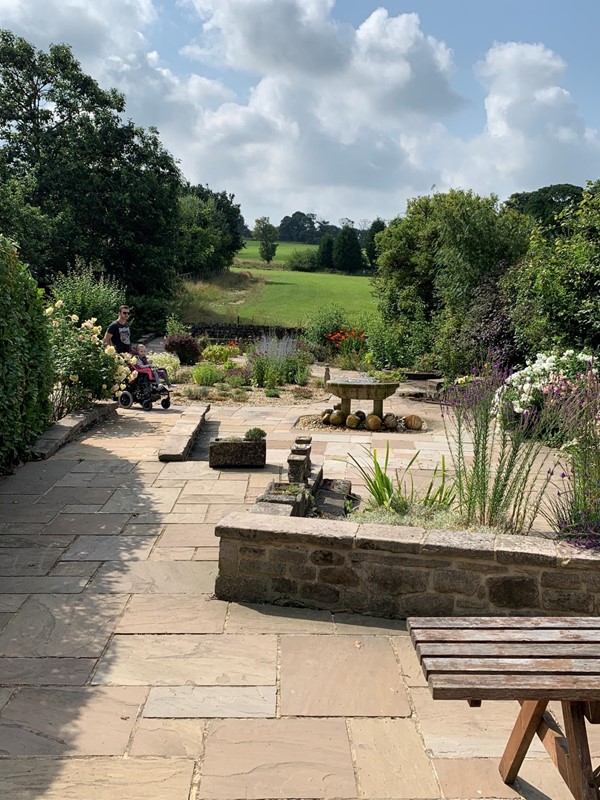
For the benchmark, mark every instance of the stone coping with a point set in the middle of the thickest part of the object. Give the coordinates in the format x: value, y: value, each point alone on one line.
x: 500, y: 548
x: 70, y: 426
x: 180, y: 440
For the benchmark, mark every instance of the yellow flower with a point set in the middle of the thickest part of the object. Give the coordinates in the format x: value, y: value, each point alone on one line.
x: 74, y: 378
x: 58, y: 304
x: 118, y: 394
x: 49, y: 311
x: 93, y: 319
x: 104, y: 386
x: 96, y: 329
x: 114, y: 388
x: 74, y: 318
x: 110, y: 350
x: 122, y: 386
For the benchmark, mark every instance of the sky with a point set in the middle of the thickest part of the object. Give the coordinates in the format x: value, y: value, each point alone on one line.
x: 347, y: 108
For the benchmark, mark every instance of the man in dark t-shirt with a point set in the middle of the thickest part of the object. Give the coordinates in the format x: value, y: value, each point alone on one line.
x: 118, y: 334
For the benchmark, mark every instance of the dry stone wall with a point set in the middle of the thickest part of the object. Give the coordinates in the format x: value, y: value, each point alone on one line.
x: 401, y: 571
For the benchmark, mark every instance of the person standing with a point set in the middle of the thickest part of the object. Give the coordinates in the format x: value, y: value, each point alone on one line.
x: 118, y: 334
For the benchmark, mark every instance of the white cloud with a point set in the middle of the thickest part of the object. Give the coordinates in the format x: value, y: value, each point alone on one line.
x: 339, y: 120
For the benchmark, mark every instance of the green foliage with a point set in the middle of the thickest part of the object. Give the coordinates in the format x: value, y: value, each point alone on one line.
x: 303, y: 261
x: 347, y: 254
x: 196, y: 392
x: 271, y: 393
x: 83, y: 369
x: 325, y: 254
x: 266, y: 235
x: 325, y: 320
x: 378, y: 482
x: 168, y: 361
x: 206, y: 374
x: 377, y: 226
x: 186, y: 348
x: 555, y: 292
x: 545, y: 205
x: 220, y: 353
x: 25, y: 358
x: 402, y: 342
x: 87, y: 292
x: 300, y: 227
x: 235, y: 381
x: 255, y: 434
x: 175, y: 327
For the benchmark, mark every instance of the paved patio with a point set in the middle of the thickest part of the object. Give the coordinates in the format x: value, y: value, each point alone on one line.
x: 122, y: 677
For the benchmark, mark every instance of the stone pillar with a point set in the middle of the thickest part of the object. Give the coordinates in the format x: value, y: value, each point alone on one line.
x: 346, y: 406
x: 298, y: 469
x: 378, y: 408
x: 327, y: 375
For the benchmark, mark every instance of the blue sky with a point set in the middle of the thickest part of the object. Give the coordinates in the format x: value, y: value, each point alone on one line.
x: 346, y: 108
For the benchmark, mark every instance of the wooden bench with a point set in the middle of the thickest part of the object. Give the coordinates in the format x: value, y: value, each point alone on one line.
x: 529, y: 659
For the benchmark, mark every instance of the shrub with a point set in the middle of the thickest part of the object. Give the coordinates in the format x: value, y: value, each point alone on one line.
x: 85, y: 291
x: 255, y: 434
x: 219, y: 353
x: 196, y: 392
x: 240, y: 394
x: 25, y: 358
x: 326, y: 319
x: 206, y: 374
x: 271, y: 393
x: 175, y: 327
x: 279, y: 361
x: 186, y: 349
x: 239, y: 376
x: 303, y: 260
x: 168, y: 361
x: 84, y: 369
x: 148, y: 313
x: 235, y: 381
x: 302, y: 392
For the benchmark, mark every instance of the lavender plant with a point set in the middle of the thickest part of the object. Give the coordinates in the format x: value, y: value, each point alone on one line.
x: 499, y: 461
x: 573, y: 504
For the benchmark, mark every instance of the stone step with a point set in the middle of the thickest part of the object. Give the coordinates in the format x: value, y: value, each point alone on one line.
x: 179, y: 442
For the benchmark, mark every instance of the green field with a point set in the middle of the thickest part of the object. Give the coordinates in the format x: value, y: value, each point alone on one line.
x: 274, y: 297
x: 250, y: 252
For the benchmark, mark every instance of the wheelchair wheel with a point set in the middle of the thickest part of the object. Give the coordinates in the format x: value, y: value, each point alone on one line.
x: 147, y: 405
x: 165, y: 402
x: 125, y: 399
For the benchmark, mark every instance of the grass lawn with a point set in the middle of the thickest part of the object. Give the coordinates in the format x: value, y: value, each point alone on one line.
x: 274, y: 297
x: 249, y: 255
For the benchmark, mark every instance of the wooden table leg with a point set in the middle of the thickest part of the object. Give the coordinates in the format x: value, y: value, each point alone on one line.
x: 530, y: 716
x: 581, y: 780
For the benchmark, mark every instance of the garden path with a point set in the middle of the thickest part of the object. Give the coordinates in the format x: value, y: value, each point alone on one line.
x: 122, y: 676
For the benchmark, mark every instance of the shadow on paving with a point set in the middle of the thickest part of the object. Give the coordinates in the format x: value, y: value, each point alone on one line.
x: 76, y: 534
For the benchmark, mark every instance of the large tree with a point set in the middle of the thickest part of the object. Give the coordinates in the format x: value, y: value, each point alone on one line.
x: 347, y: 255
x: 546, y: 204
x: 300, y: 227
x: 100, y: 188
x: 266, y: 235
x: 377, y: 226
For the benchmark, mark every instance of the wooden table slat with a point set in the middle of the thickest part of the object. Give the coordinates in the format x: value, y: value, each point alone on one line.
x: 508, y: 650
x: 524, y: 623
x: 511, y: 635
x: 515, y: 687
x: 567, y: 666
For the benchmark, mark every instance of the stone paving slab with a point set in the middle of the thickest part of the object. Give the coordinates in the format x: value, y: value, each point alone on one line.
x: 155, y: 577
x: 27, y: 561
x: 52, y: 625
x: 97, y: 779
x: 43, y: 585
x: 126, y: 501
x: 332, y: 676
x: 173, y: 614
x: 290, y: 758
x: 45, y: 671
x: 211, y: 701
x: 168, y: 738
x: 76, y: 524
x: 271, y: 619
x: 88, y: 721
x: 110, y: 548
x: 210, y: 660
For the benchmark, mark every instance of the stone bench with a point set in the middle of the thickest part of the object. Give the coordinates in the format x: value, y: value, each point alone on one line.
x: 70, y: 426
x: 179, y: 442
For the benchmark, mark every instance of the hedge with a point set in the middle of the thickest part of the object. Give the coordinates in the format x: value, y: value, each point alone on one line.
x: 25, y: 358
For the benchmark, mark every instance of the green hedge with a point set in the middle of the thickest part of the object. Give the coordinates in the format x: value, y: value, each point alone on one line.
x: 25, y: 358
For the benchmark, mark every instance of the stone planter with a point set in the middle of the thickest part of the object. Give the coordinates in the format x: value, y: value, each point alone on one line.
x: 245, y: 453
x: 289, y: 494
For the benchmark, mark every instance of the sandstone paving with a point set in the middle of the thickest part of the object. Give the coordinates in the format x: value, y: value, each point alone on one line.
x: 30, y: 541
x: 211, y: 701
x: 97, y: 779
x: 36, y: 477
x: 173, y: 614
x: 174, y: 554
x: 390, y: 760
x: 75, y: 524
x: 206, y: 554
x: 45, y: 671
x: 349, y: 624
x: 290, y: 758
x: 27, y: 561
x: 82, y: 569
x: 77, y: 721
x: 52, y: 625
x: 5, y: 695
x: 46, y: 584
x: 209, y: 660
x: 333, y: 676
x: 4, y: 620
x: 247, y: 618
x: 190, y: 535
x: 8, y: 529
x: 126, y: 501
x: 451, y: 729
x: 64, y: 496
x: 408, y: 661
x: 155, y: 577
x: 109, y: 548
x: 168, y: 738
x: 11, y: 602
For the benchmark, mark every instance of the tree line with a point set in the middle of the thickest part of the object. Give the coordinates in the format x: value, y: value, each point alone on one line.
x: 79, y: 184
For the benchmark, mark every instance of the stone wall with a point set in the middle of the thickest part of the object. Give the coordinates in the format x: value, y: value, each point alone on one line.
x: 399, y: 571
x: 229, y: 331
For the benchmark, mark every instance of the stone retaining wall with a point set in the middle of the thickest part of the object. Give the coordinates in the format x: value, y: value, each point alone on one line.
x: 401, y: 571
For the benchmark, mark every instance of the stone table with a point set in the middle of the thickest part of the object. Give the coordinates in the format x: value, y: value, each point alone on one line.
x: 348, y: 389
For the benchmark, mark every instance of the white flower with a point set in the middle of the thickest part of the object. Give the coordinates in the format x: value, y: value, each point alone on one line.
x: 110, y: 350
x: 58, y: 304
x: 49, y: 311
x: 74, y: 318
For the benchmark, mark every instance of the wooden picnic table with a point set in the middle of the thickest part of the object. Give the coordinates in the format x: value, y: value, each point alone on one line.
x: 529, y: 659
